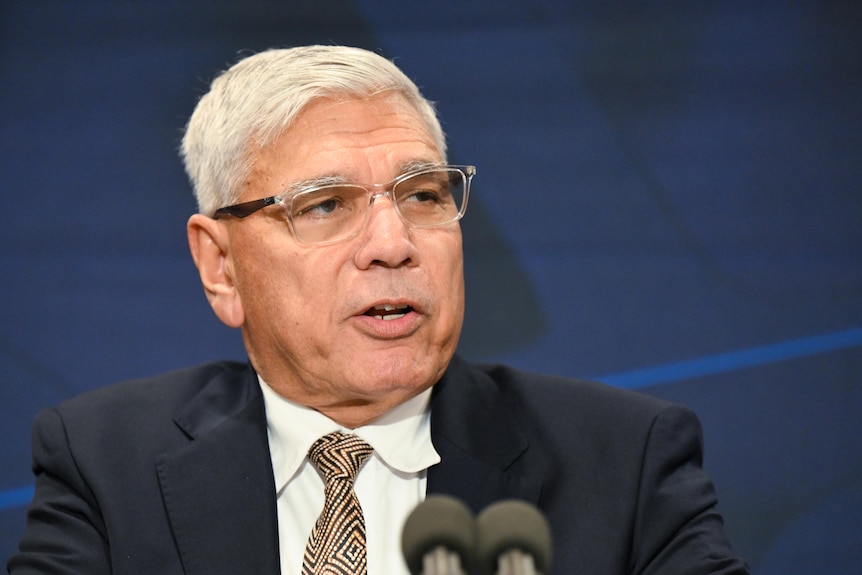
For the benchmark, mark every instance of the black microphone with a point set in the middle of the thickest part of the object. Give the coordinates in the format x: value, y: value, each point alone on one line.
x: 512, y: 538
x: 439, y: 537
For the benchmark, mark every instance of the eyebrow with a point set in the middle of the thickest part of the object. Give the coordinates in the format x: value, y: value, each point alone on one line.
x: 335, y: 179
x: 302, y: 185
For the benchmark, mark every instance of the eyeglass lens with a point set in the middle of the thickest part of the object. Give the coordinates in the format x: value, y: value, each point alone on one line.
x: 335, y: 212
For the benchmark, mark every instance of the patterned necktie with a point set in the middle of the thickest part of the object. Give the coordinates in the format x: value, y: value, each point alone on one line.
x: 337, y: 542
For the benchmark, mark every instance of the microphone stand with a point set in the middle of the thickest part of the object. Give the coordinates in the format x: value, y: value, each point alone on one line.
x: 516, y: 562
x: 441, y: 561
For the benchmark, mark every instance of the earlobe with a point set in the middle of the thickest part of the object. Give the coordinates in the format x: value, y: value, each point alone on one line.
x: 209, y: 243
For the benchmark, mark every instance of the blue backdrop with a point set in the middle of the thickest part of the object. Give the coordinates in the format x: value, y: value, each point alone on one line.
x: 669, y: 197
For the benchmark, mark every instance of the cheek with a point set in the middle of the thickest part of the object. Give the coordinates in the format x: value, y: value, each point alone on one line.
x: 298, y: 292
x: 450, y: 266
x: 453, y: 280
x: 265, y: 276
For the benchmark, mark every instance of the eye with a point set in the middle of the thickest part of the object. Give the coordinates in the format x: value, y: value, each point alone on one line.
x: 323, y: 207
x: 321, y: 204
x: 422, y: 196
x: 427, y: 189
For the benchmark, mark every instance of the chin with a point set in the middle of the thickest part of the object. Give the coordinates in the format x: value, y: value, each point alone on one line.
x: 401, y: 374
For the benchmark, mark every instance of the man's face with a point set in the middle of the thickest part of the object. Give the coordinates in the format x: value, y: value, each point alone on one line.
x: 310, y: 323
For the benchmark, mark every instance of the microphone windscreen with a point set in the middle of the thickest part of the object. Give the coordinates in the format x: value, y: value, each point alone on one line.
x: 508, y: 525
x: 440, y: 520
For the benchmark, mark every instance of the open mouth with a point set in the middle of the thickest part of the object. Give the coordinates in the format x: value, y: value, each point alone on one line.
x: 388, y: 312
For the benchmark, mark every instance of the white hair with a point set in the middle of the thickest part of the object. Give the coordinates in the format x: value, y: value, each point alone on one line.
x: 254, y: 101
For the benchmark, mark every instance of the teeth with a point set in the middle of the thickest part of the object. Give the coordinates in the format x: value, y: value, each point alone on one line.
x: 390, y: 317
x: 380, y: 311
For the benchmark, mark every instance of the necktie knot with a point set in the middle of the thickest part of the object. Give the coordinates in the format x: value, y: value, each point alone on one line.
x: 339, y: 455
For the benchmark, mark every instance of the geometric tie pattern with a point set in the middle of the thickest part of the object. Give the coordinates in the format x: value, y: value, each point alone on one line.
x: 337, y: 543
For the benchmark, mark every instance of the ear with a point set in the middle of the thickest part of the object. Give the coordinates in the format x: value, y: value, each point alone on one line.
x: 209, y: 242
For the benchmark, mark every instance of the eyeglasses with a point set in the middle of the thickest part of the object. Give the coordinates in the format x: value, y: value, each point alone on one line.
x: 329, y: 213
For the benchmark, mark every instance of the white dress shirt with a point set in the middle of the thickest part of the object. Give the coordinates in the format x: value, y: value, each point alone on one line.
x: 389, y: 485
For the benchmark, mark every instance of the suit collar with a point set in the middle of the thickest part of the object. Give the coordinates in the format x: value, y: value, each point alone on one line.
x: 227, y: 389
x: 479, y: 436
x: 218, y: 488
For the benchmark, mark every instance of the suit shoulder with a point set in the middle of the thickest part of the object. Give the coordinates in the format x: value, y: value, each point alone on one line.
x: 154, y: 394
x: 550, y: 394
x: 570, y: 420
x: 142, y: 416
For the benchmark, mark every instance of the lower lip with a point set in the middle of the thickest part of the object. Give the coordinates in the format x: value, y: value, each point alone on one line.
x: 403, y: 326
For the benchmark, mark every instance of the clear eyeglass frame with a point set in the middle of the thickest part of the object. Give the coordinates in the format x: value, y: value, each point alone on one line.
x: 329, y: 213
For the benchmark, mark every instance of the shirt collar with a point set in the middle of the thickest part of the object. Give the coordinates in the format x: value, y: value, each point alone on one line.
x: 401, y: 438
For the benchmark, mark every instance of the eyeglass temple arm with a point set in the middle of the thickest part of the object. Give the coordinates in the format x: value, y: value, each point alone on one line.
x: 246, y: 208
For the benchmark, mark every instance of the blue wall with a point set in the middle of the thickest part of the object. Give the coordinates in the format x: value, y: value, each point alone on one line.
x: 669, y: 198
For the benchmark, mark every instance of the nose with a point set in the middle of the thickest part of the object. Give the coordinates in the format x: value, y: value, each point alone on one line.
x: 386, y: 239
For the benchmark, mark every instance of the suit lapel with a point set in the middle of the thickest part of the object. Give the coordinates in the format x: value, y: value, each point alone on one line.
x: 218, y: 488
x: 479, y: 439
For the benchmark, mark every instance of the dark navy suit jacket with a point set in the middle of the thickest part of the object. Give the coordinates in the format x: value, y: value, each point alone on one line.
x: 172, y: 474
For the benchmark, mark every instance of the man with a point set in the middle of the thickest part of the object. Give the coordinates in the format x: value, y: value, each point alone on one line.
x: 328, y: 233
